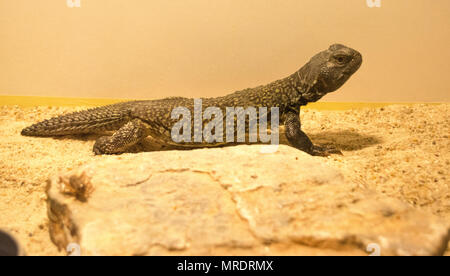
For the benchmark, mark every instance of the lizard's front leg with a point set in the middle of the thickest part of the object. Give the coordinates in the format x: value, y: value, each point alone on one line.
x: 128, y: 135
x: 299, y: 139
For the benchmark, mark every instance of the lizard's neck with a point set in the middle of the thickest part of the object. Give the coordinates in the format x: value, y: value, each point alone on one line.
x: 306, y: 83
x: 295, y: 90
x: 281, y: 93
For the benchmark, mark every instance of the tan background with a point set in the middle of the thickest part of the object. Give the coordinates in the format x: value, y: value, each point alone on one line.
x: 151, y: 49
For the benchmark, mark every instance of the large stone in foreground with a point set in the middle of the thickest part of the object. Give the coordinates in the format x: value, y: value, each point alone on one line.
x: 233, y: 200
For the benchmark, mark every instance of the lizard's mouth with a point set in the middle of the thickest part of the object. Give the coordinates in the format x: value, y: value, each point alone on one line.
x: 344, y: 75
x: 352, y: 67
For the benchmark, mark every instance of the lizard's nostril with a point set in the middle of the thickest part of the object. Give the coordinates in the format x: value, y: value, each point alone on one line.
x: 357, y: 60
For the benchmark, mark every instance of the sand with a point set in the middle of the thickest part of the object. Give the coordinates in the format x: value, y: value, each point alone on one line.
x: 401, y: 151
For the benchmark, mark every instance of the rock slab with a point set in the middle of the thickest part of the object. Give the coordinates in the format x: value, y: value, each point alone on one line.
x: 230, y: 201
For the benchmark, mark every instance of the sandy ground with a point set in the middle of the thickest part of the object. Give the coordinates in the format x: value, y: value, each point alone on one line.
x: 401, y: 151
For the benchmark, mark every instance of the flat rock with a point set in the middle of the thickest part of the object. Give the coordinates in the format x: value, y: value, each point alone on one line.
x: 227, y: 201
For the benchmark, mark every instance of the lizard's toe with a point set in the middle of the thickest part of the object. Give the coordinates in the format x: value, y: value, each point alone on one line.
x: 324, y: 151
x: 101, y: 145
x: 332, y: 149
x: 97, y: 151
x: 318, y: 151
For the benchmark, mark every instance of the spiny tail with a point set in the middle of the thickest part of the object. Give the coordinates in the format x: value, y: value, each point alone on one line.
x: 98, y: 119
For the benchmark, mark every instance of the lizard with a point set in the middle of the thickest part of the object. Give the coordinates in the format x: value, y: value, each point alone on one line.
x: 133, y: 121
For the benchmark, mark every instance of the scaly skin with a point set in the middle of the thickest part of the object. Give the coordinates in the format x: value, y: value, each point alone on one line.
x: 135, y: 120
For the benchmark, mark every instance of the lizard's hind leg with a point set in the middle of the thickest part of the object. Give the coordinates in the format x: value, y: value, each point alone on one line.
x: 127, y: 136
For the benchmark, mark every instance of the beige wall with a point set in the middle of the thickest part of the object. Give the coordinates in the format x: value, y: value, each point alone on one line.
x: 156, y: 48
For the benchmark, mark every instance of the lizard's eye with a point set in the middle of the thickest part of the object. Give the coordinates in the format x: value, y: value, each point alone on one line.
x: 341, y: 59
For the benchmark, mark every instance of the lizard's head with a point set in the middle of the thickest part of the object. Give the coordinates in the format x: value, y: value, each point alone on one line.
x: 330, y: 69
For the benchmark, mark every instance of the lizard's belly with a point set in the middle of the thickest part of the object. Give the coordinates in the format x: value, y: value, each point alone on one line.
x: 213, y: 132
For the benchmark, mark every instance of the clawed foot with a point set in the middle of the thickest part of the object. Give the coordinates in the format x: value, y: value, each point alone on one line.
x: 326, y: 150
